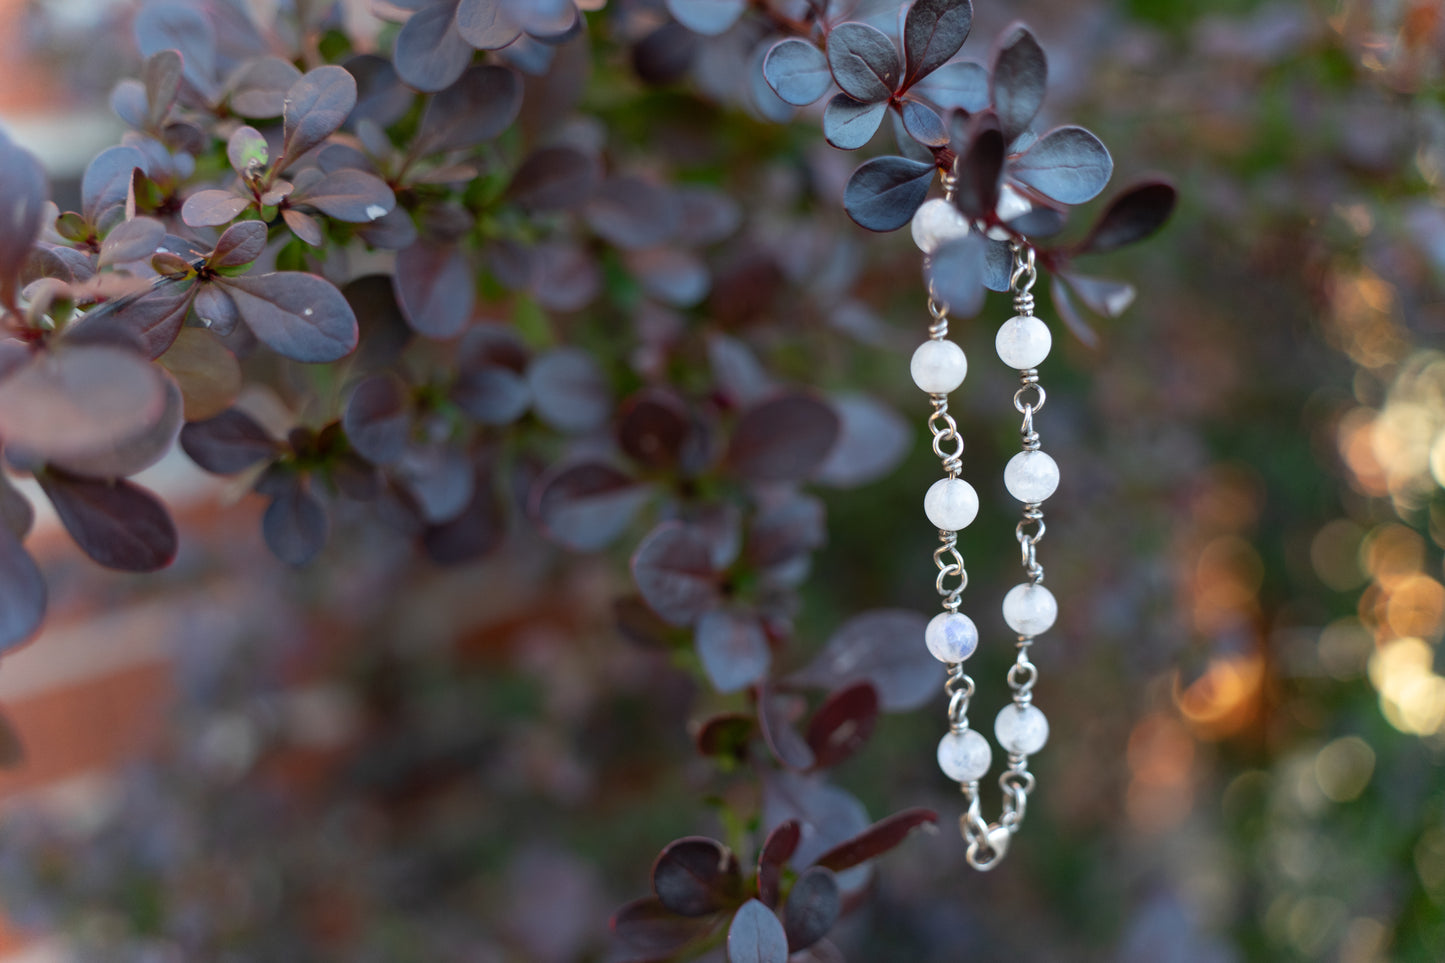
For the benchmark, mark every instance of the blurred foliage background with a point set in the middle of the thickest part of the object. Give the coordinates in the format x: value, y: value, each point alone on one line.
x: 1247, y: 698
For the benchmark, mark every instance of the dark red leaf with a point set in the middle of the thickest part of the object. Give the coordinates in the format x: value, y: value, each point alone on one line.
x: 150, y: 323
x: 1069, y: 313
x: 16, y: 513
x: 777, y: 849
x: 652, y: 427
x: 849, y: 124
x: 1020, y: 77
x: 797, y: 71
x: 980, y: 167
x: 784, y: 438
x: 884, y: 193
x: 125, y: 455
x: 586, y: 505
x: 475, y: 533
x: 301, y: 316
x: 213, y: 208
x: 22, y: 203
x: 228, y: 443
x: 733, y: 648
x: 316, y: 107
x: 348, y: 195
x: 554, y: 179
x: 873, y: 439
x: 106, y: 182
x: 259, y: 87
x: 725, y: 735
x: 756, y: 936
x: 884, y: 647
x: 864, y: 61
x: 877, y: 839
x: 1136, y: 213
x: 133, y: 240
x: 378, y: 418
x: 813, y: 907
x: 487, y: 24
x: 295, y: 524
x: 631, y: 212
x: 1067, y: 164
x: 434, y: 288
x: 118, y: 524
x: 673, y: 569
x: 441, y: 480
x: 786, y: 530
x: 696, y: 876
x: 843, y: 723
x: 707, y: 17
x: 161, y: 75
x: 215, y: 309
x: 569, y: 391
x: 170, y: 24
x: 22, y: 592
x: 304, y: 226
x: 492, y: 394
x: 933, y: 31
x: 954, y: 274
x: 923, y: 124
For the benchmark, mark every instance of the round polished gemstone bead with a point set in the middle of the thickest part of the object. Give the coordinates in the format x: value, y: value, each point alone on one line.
x: 938, y: 367
x: 1023, y: 342
x: 951, y: 637
x: 937, y: 222
x: 1021, y: 729
x: 964, y: 756
x: 1031, y: 476
x: 951, y: 504
x: 1029, y: 609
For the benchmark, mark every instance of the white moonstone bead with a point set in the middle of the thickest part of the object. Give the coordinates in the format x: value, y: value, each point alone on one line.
x: 1021, y: 729
x: 951, y: 637
x: 951, y: 504
x: 936, y: 223
x: 1023, y: 342
x: 964, y: 756
x: 938, y: 367
x: 1031, y: 476
x: 1029, y: 609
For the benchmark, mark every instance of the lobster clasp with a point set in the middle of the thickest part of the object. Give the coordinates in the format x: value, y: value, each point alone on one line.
x: 984, y: 853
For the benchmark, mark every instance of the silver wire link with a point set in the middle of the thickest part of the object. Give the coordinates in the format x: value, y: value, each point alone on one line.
x: 959, y: 689
x: 950, y: 563
x: 1021, y: 279
x: 945, y: 430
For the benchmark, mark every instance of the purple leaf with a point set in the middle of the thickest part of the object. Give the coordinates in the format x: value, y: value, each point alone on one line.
x: 316, y: 107
x: 569, y: 391
x: 647, y: 931
x: 633, y: 213
x: 784, y: 531
x: 777, y: 849
x: 550, y: 20
x: 708, y: 216
x: 22, y: 592
x: 923, y: 124
x: 784, y: 438
x: 241, y: 244
x: 486, y: 24
x: 150, y: 323
x: 953, y: 274
x: 133, y: 240
x: 472, y: 111
x: 492, y: 393
x: 665, y: 55
x: 957, y: 86
x: 435, y: 290
x: 884, y: 193
x: 118, y: 524
x: 74, y: 401
x: 298, y: 315
x: 696, y: 876
x: 756, y: 936
x: 476, y: 532
x: 228, y: 443
x: 674, y: 572
x: 733, y: 648
x: 430, y: 50
x: 1020, y: 77
x: 813, y: 907
x: 349, y: 195
x: 933, y: 31
x: 797, y: 71
x: 212, y: 208
x: 843, y: 723
x: 566, y: 276
x: 295, y: 525
x: 304, y: 226
x: 440, y: 478
x: 106, y: 183
x: 707, y: 17
x: 554, y: 179
x: 585, y: 506
x: 864, y: 62
x: 16, y: 513
x: 877, y: 839
x: 1068, y: 164
x: 1101, y: 295
x: 872, y: 440
x: 1069, y: 313
x: 980, y: 167
x: 378, y: 419
x: 727, y: 734
x: 883, y: 647
x: 127, y: 455
x: 736, y: 372
x: 777, y: 711
x: 259, y: 88
x: 161, y: 75
x: 182, y: 27
x: 827, y: 814
x: 216, y: 310
x: 673, y: 275
x: 652, y: 427
x: 849, y: 124
x: 1136, y: 213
